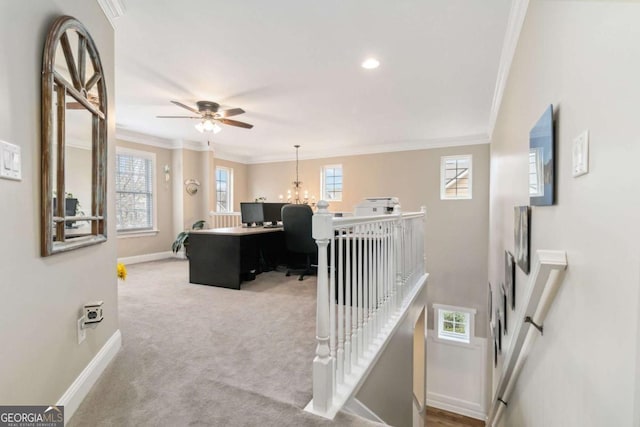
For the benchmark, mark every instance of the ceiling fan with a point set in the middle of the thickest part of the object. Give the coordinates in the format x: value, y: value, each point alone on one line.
x: 210, y: 115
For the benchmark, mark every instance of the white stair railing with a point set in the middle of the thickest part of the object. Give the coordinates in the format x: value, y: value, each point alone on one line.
x: 225, y: 219
x: 369, y: 271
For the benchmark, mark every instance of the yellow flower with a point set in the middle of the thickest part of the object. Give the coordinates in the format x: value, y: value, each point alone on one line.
x: 122, y: 271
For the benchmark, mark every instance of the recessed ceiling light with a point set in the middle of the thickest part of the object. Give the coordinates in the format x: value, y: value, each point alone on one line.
x: 370, y: 63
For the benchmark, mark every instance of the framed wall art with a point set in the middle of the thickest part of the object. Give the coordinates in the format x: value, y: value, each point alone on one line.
x: 510, y: 278
x: 521, y: 231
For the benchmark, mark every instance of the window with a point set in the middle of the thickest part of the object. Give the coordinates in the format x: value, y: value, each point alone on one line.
x: 536, y: 186
x: 331, y: 183
x: 134, y: 190
x: 454, y: 323
x: 224, y: 189
x: 455, y: 177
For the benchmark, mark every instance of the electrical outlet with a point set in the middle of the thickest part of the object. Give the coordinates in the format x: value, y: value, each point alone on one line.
x: 82, y: 332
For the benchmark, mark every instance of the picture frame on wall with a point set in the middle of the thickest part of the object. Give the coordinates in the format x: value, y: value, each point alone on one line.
x: 510, y: 277
x: 521, y: 232
x: 504, y: 309
x: 542, y: 161
x: 490, y: 304
x: 498, y: 330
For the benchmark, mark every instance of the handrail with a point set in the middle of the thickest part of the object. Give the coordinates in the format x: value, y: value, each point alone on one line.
x: 370, y: 269
x: 546, y: 277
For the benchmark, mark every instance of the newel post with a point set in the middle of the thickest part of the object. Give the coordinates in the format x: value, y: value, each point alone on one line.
x: 423, y: 209
x: 323, y: 377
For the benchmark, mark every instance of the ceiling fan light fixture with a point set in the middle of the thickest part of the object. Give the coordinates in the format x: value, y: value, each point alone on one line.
x: 200, y: 127
x: 370, y: 63
x: 216, y: 128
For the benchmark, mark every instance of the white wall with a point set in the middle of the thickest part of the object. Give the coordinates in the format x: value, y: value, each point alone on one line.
x: 455, y: 375
x: 41, y: 297
x: 584, y: 58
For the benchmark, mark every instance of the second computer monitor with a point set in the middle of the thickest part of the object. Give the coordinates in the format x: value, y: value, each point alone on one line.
x: 272, y: 212
x: 251, y: 213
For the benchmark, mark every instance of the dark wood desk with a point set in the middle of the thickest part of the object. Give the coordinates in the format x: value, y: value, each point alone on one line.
x: 227, y: 256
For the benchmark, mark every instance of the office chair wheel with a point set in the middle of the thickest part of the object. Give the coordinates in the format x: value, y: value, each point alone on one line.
x: 300, y: 278
x: 288, y: 274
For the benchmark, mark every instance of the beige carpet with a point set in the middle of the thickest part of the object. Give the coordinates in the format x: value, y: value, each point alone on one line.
x: 197, y: 355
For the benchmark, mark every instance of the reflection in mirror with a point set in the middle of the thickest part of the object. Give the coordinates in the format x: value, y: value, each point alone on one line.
x: 536, y: 185
x: 541, y: 161
x: 77, y: 171
x: 74, y: 137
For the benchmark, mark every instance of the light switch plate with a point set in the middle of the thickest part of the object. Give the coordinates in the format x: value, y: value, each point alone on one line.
x: 10, y: 161
x: 581, y: 154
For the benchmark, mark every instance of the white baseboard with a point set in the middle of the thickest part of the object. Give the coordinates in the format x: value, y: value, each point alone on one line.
x: 355, y: 407
x: 457, y: 406
x: 78, y: 390
x: 137, y: 259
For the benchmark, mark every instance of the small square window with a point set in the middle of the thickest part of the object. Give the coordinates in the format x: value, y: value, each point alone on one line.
x: 455, y: 177
x: 454, y: 323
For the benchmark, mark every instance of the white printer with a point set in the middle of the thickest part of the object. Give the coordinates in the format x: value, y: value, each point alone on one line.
x: 376, y: 206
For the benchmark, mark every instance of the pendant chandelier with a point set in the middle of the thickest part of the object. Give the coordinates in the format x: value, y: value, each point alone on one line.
x: 295, y: 194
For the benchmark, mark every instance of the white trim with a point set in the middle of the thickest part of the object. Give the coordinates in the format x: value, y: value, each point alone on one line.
x: 514, y: 27
x: 78, y: 390
x: 453, y: 404
x: 389, y: 147
x: 323, y: 153
x: 112, y: 9
x: 124, y: 234
x: 355, y: 407
x: 457, y: 406
x: 137, y: 259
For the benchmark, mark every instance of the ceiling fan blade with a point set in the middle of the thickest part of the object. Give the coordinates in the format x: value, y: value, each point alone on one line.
x: 178, y: 117
x: 230, y: 112
x: 235, y: 123
x: 180, y: 104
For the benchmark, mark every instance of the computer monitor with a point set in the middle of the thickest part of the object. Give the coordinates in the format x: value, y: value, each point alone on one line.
x: 273, y: 212
x: 251, y: 213
x: 70, y: 208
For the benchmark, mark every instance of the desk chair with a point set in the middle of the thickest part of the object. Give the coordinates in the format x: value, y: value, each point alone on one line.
x: 297, y: 225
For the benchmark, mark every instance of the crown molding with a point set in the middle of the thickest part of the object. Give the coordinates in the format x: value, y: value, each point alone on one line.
x: 113, y: 9
x: 514, y: 27
x: 142, y: 138
x: 156, y: 141
x: 179, y: 144
x: 413, y: 145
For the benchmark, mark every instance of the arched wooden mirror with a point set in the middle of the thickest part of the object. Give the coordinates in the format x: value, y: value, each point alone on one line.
x: 74, y: 140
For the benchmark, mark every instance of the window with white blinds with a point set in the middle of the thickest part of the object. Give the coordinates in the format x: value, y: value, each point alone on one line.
x: 134, y: 190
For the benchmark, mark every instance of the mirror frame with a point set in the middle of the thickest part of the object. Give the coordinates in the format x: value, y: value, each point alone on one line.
x: 53, y: 223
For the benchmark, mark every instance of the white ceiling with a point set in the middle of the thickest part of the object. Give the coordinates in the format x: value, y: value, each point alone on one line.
x: 294, y: 67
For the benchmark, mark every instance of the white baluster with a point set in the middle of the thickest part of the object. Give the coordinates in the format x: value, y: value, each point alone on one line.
x: 360, y: 266
x: 323, y: 378
x: 348, y: 303
x: 332, y: 305
x: 341, y: 308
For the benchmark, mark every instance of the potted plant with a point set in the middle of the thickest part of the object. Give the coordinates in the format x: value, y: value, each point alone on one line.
x: 183, y: 238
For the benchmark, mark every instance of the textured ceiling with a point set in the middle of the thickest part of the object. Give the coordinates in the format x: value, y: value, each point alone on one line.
x: 294, y: 66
